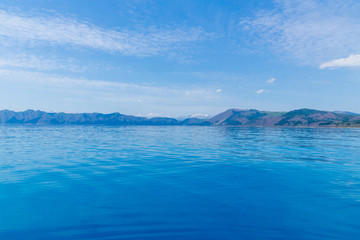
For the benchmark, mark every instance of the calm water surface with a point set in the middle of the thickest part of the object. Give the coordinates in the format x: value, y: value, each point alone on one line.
x: 99, y: 182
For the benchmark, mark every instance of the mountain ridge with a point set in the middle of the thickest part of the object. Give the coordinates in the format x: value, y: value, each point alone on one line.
x: 232, y: 117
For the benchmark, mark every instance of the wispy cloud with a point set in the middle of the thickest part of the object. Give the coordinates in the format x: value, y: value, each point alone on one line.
x: 260, y: 91
x: 18, y: 28
x: 218, y: 90
x: 103, y: 90
x: 351, y: 61
x: 25, y: 61
x: 61, y: 82
x: 195, y: 94
x: 210, y: 75
x: 270, y: 81
x: 309, y: 30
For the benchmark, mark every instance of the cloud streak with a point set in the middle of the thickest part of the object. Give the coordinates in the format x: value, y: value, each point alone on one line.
x: 112, y: 91
x: 22, y: 29
x: 61, y: 82
x: 351, y: 61
x: 308, y: 30
x: 25, y: 61
x: 270, y: 81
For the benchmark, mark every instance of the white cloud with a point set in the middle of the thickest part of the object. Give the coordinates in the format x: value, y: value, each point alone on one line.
x: 54, y: 92
x: 199, y: 93
x: 260, y: 91
x: 270, y: 81
x: 24, y: 61
x: 351, y: 61
x: 22, y: 29
x: 64, y: 83
x: 108, y: 91
x: 223, y: 76
x: 308, y: 30
x: 219, y: 90
x: 213, y: 76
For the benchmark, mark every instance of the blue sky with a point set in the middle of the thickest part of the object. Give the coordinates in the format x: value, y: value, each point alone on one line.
x: 176, y: 58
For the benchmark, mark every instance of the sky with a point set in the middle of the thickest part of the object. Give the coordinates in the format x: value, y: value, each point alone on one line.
x: 177, y: 58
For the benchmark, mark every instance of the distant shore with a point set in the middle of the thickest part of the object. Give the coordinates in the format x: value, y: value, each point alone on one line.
x: 232, y: 117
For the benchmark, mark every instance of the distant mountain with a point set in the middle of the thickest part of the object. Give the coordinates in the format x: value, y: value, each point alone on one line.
x: 232, y: 117
x: 251, y: 117
x: 296, y: 118
x: 42, y: 118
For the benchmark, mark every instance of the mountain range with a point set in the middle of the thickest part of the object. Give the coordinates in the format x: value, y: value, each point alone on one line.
x: 232, y: 117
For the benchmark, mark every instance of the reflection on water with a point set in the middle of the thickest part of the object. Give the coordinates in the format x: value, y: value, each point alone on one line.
x: 98, y: 182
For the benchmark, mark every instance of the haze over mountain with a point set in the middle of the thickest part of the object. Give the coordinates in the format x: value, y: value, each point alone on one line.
x: 232, y: 117
x: 195, y: 115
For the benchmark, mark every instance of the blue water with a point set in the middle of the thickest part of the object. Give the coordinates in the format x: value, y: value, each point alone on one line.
x: 98, y: 182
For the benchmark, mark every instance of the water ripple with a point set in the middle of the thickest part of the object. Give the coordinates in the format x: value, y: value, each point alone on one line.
x: 98, y: 182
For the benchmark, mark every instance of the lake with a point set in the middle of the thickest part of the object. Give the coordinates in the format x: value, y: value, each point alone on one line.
x: 179, y: 182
